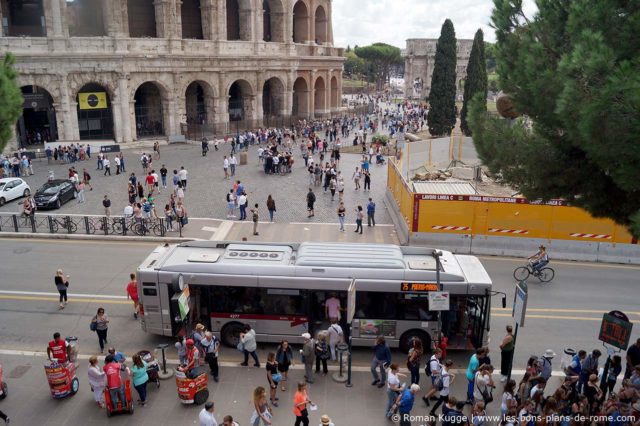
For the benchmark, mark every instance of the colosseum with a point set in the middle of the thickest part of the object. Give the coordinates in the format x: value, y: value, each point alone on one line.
x: 124, y: 70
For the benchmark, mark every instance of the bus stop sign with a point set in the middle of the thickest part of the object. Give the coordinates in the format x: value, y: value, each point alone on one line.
x: 520, y: 303
x: 615, y: 330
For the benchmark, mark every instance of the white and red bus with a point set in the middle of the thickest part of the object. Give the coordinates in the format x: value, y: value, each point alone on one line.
x: 280, y: 289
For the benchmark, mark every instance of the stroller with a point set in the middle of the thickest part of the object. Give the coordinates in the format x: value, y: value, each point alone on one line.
x: 153, y: 367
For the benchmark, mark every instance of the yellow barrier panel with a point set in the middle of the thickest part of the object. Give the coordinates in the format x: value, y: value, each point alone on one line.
x: 500, y: 216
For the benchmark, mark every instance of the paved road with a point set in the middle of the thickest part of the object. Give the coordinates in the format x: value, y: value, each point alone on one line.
x: 565, y: 313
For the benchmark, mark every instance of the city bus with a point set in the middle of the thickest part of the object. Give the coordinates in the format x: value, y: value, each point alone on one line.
x: 279, y: 289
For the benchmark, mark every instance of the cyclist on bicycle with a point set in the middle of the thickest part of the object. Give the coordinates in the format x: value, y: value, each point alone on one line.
x: 539, y: 260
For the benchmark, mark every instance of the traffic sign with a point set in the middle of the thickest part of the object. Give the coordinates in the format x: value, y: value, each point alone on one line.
x: 439, y: 301
x: 520, y: 303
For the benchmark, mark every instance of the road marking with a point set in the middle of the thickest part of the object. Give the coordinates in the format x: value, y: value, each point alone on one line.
x: 209, y: 229
x: 563, y: 262
x: 78, y: 241
x: 55, y: 299
x: 378, y: 225
x: 232, y: 364
x: 79, y: 295
x: 222, y: 231
x: 585, y: 311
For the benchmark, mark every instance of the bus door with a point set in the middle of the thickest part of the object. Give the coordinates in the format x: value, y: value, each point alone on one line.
x: 318, y: 309
x: 465, y: 323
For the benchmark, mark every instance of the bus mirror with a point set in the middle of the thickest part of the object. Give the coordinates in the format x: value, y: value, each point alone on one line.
x: 504, y: 302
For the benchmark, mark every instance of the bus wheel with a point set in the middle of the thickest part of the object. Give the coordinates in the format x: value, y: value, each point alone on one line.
x: 409, y: 336
x: 230, y: 334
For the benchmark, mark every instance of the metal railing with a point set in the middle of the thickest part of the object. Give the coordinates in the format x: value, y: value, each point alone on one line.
x: 88, y: 225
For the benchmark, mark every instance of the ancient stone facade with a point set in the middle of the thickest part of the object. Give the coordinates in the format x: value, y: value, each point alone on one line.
x: 128, y: 69
x: 419, y: 61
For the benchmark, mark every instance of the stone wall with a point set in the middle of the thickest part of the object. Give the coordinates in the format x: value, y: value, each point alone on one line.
x: 61, y: 65
x: 419, y: 62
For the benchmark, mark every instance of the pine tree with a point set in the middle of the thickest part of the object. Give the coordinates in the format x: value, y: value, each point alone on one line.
x: 476, y: 81
x: 442, y: 98
x: 10, y: 99
x: 572, y: 69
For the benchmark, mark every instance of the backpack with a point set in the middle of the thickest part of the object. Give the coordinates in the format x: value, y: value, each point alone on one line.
x: 146, y: 207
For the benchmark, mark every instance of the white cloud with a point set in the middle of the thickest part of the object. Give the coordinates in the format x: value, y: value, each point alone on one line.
x: 362, y: 22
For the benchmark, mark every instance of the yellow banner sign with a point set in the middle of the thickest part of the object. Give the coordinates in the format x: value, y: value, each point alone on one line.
x: 93, y: 100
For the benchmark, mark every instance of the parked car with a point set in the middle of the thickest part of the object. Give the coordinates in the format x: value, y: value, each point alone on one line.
x: 12, y: 188
x: 54, y: 194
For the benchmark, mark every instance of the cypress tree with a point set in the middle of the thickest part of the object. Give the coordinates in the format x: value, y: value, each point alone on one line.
x: 476, y: 81
x: 10, y: 99
x: 442, y: 98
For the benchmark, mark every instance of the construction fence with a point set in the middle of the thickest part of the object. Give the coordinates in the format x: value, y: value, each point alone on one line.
x: 485, y: 219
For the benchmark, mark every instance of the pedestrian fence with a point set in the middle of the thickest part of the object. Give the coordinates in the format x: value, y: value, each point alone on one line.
x: 88, y: 225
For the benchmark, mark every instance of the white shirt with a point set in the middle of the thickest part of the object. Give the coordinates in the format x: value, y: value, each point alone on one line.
x: 225, y: 163
x: 335, y: 331
x: 155, y: 177
x: 392, y: 380
x: 106, y: 162
x: 183, y: 174
x: 482, y: 384
x: 242, y: 200
x: 117, y: 161
x: 206, y: 418
x: 233, y: 161
x: 446, y: 383
x: 128, y: 211
x: 506, y: 397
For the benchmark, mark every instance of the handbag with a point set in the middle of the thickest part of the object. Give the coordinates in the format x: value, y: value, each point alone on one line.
x: 487, y: 395
x: 240, y: 346
x: 185, y: 220
x: 93, y: 325
x: 277, y: 377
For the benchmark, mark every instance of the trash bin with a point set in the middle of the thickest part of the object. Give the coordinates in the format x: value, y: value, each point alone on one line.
x: 243, y: 158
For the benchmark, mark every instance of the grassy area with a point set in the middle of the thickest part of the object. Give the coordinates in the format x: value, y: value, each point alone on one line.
x: 491, y: 106
x: 354, y: 83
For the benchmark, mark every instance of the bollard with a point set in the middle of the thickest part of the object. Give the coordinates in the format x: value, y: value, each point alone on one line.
x: 339, y: 376
x: 166, y: 373
x: 349, y: 384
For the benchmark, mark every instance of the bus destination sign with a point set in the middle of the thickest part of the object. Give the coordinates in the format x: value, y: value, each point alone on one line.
x: 419, y: 287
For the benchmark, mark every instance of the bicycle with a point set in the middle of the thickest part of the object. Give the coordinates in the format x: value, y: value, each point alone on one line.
x: 69, y: 225
x: 147, y: 226
x: 545, y: 274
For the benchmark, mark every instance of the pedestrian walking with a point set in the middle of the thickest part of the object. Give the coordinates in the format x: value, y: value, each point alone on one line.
x: 589, y: 367
x: 381, y: 358
x: 100, y: 322
x: 211, y: 347
x: 228, y: 420
x: 367, y: 181
x: 183, y: 177
x: 359, y: 218
x: 311, y: 199
x: 231, y: 204
x: 116, y: 161
x: 308, y: 356
x: 205, y: 146
x: 106, y: 203
x: 325, y: 420
x: 271, y: 207
x: 284, y: 358
x: 394, y: 388
x: 62, y: 284
x: 255, y: 218
x: 333, y: 184
x: 107, y: 166
x: 442, y: 383
x: 509, y: 401
x: 472, y: 368
x: 132, y: 293
x: 404, y: 404
x: 484, y: 385
x: 86, y: 177
x: 225, y: 167
x: 414, y: 359
x: 341, y: 213
x: 433, y: 369
x: 340, y: 187
x: 80, y: 192
x: 507, y: 347
x: 249, y: 346
x: 356, y: 178
x: 206, y: 416
x: 322, y: 352
x: 140, y: 378
x: 274, y: 377
x: 242, y: 204
x: 97, y: 381
x: 121, y: 157
x: 163, y: 176
x: 336, y: 336
x: 300, y: 402
x: 371, y: 213
x: 232, y: 164
x: 261, y: 409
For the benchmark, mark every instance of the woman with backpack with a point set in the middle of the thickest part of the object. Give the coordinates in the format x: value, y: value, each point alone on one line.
x: 414, y: 359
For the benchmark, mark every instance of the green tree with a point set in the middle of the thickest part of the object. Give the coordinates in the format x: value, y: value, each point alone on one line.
x: 381, y: 57
x: 476, y: 81
x: 353, y: 65
x: 10, y: 99
x: 573, y: 70
x: 442, y: 98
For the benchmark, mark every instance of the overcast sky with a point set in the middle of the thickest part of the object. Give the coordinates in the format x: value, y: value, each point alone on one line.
x: 363, y: 22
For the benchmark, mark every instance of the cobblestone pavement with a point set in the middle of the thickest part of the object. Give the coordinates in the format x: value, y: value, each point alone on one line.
x: 206, y: 189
